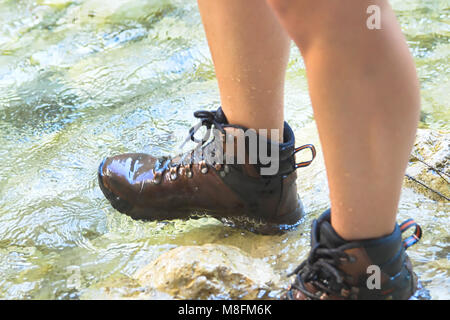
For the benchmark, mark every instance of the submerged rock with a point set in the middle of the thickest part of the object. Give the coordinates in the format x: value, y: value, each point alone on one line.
x: 121, y: 287
x: 207, y: 272
x: 429, y: 164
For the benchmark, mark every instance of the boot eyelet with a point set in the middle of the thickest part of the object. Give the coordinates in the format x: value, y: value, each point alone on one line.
x: 173, y: 173
x: 157, y: 177
x: 203, y: 167
x: 188, y: 172
x: 345, y: 293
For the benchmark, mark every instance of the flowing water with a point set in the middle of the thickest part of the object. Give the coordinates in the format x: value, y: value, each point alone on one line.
x: 83, y: 79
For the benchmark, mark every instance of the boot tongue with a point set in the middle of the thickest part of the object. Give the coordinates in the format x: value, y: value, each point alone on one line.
x: 328, y: 237
x: 220, y: 116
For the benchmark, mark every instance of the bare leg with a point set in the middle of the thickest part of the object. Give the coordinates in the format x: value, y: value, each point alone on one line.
x: 250, y: 51
x: 365, y: 95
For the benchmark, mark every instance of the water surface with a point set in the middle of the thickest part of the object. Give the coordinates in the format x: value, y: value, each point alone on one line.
x: 80, y: 80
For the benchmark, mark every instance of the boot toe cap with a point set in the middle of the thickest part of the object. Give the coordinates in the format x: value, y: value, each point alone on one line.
x: 113, y: 185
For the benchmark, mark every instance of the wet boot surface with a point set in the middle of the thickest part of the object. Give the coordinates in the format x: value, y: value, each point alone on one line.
x: 195, y: 183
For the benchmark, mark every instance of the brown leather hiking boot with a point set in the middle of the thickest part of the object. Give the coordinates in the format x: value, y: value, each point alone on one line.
x: 195, y: 183
x: 373, y: 269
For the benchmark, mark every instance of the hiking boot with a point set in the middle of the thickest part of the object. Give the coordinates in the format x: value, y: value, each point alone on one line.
x: 196, y: 183
x: 373, y: 269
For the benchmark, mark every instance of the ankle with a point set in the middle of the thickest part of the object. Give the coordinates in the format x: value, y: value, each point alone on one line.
x: 357, y: 232
x: 270, y: 126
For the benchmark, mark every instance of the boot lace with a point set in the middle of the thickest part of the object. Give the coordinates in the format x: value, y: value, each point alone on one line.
x: 321, y: 270
x: 207, y: 119
x: 185, y: 161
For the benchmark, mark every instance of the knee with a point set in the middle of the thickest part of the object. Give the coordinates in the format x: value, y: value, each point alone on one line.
x: 321, y: 8
x: 289, y: 8
x: 306, y: 20
x: 281, y: 7
x: 300, y: 18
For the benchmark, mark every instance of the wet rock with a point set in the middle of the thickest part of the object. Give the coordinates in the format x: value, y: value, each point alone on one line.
x: 207, y: 272
x: 59, y: 4
x: 121, y: 287
x: 115, y: 11
x: 429, y: 164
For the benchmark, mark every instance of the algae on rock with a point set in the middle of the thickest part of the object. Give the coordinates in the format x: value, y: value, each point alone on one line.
x: 429, y: 163
x: 209, y: 271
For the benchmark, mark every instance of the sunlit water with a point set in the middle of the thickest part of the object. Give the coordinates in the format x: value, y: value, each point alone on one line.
x: 80, y: 80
